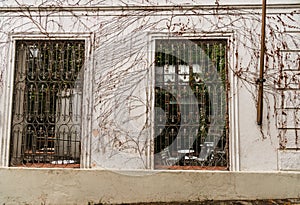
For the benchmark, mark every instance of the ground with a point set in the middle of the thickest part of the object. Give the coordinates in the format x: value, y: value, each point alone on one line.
x: 228, y: 202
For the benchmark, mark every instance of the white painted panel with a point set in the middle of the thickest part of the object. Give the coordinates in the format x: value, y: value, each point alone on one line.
x: 288, y: 118
x: 289, y: 138
x: 290, y: 76
x: 291, y: 98
x: 289, y: 159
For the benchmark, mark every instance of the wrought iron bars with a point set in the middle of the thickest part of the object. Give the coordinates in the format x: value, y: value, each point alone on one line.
x: 190, y: 100
x: 46, y: 113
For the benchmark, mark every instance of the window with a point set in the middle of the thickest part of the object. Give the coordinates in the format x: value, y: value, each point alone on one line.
x: 47, y: 95
x: 190, y: 104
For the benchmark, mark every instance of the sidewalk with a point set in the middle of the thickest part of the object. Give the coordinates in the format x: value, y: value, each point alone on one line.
x: 229, y: 202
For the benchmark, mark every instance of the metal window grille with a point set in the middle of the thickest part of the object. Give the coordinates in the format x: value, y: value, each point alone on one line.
x: 47, y: 97
x: 190, y: 103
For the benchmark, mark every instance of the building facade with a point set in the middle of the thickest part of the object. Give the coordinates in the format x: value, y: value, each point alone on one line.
x: 149, y: 85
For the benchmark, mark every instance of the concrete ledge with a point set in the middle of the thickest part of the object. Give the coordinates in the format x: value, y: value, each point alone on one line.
x: 81, y: 186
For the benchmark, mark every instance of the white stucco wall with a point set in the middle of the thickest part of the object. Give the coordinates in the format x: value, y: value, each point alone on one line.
x: 120, y: 37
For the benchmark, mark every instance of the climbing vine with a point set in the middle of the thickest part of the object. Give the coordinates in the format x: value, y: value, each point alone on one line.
x: 123, y: 61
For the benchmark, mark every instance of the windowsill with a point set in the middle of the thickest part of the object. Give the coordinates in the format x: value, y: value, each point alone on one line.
x: 48, y: 165
x: 219, y: 168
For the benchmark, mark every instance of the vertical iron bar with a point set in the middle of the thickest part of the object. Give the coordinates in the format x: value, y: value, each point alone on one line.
x: 260, y: 81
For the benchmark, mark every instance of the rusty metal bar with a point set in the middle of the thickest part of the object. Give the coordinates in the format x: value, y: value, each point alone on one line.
x: 260, y: 80
x: 186, y: 70
x: 47, y: 99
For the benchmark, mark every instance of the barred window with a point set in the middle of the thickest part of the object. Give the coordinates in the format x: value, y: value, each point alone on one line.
x: 190, y: 104
x: 47, y: 95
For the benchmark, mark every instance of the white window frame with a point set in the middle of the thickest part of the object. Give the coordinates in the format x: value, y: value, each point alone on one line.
x: 86, y: 123
x: 232, y: 94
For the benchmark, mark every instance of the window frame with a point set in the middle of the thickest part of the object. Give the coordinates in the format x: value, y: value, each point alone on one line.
x: 231, y: 90
x: 87, y: 87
